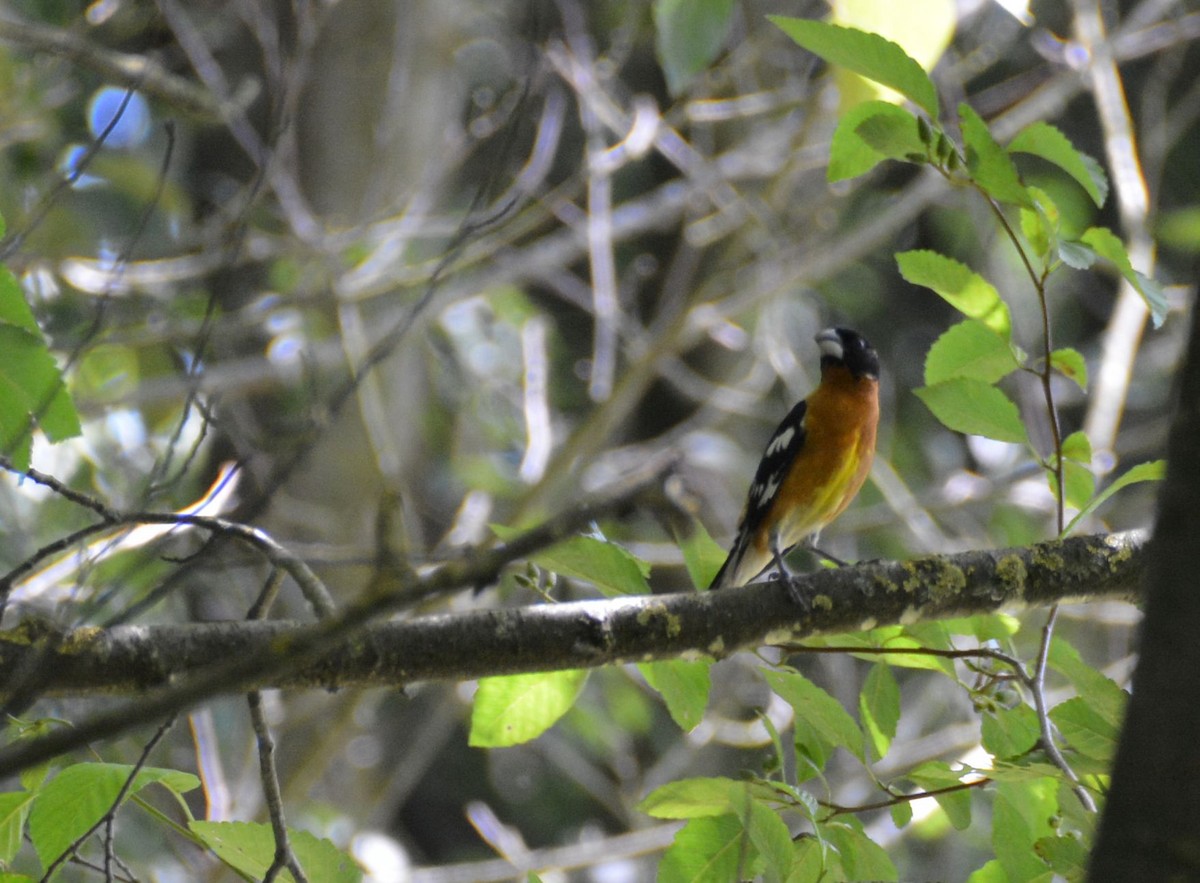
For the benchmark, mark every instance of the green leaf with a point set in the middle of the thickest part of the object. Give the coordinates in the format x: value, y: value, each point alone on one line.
x: 1078, y: 448
x: 31, y: 393
x: 962, y: 288
x: 702, y: 555
x: 707, y: 850
x: 1105, y: 695
x: 693, y: 798
x: 79, y: 796
x: 1070, y: 364
x: 1040, y: 224
x: 14, y: 810
x: 862, y: 858
x: 1086, y: 729
x: 975, y: 408
x: 989, y: 164
x: 896, y: 136
x: 684, y: 686
x: 1010, y: 732
x: 1043, y: 140
x: 249, y: 848
x: 991, y: 872
x: 13, y: 308
x: 868, y: 55
x: 1021, y: 815
x: 610, y: 568
x: 969, y: 349
x: 770, y: 837
x: 957, y: 807
x: 879, y: 708
x: 1076, y: 256
x: 512, y: 709
x: 816, y: 711
x: 1080, y: 483
x: 688, y: 36
x: 1150, y: 471
x: 1106, y: 244
x: 1066, y: 855
x: 849, y: 154
x: 901, y: 813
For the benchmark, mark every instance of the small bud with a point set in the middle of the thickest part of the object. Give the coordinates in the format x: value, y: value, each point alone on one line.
x: 924, y: 132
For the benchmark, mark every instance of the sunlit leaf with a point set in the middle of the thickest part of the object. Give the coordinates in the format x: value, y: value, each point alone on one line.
x: 1070, y: 364
x: 969, y: 349
x: 959, y: 285
x: 868, y: 55
x: 975, y: 408
x: 1151, y: 471
x: 1106, y: 244
x: 817, y: 710
x: 512, y: 709
x: 684, y: 686
x: 989, y: 164
x: 1043, y: 140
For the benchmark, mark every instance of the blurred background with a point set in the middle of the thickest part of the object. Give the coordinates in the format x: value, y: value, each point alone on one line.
x: 423, y: 267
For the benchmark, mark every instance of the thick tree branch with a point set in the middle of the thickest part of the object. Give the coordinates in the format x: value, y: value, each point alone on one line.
x: 174, y: 667
x: 585, y: 634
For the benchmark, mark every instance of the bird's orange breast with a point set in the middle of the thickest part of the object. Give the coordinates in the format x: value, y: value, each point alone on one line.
x: 839, y: 446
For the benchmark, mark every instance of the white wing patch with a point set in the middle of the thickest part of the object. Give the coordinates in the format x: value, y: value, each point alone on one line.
x: 780, y: 441
x: 764, y: 492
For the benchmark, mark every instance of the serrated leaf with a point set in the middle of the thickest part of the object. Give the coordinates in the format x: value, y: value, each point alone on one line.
x: 13, y: 308
x: 249, y: 848
x: 1106, y: 244
x: 1104, y: 694
x: 1066, y: 855
x: 80, y: 795
x: 989, y: 164
x: 609, y: 567
x: 974, y: 408
x: 1021, y: 815
x: 688, y: 36
x: 957, y: 807
x: 14, y: 810
x: 512, y: 709
x: 692, y: 798
x: 850, y: 155
x: 1079, y: 482
x: 959, y: 286
x: 862, y: 858
x: 922, y: 28
x: 1077, y: 447
x: 1151, y: 471
x: 684, y: 686
x: 705, y: 850
x: 969, y: 349
x: 1086, y: 729
x: 894, y: 135
x: 879, y: 708
x: 702, y: 555
x: 1070, y: 364
x: 770, y: 837
x: 866, y: 54
x: 31, y: 393
x: 817, y: 711
x: 1043, y: 140
x: 1010, y: 732
x: 1075, y: 255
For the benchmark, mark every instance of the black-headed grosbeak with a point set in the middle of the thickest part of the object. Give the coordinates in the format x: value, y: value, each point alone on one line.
x: 814, y: 463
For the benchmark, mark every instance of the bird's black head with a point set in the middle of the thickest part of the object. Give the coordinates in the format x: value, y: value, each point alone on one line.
x: 841, y: 346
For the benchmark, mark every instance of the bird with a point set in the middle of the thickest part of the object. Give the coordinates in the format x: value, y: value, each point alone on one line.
x: 814, y: 464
